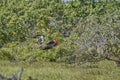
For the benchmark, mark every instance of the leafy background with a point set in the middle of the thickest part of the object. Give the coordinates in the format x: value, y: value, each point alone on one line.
x: 94, y: 25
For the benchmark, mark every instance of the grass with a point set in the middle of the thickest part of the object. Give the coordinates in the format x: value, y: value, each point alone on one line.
x: 104, y: 70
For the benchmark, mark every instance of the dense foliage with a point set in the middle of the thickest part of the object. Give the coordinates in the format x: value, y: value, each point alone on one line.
x: 94, y: 25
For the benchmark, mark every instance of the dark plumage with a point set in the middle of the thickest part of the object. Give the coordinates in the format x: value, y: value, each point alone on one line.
x: 50, y: 45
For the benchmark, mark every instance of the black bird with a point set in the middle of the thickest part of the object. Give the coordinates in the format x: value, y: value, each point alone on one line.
x: 50, y: 45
